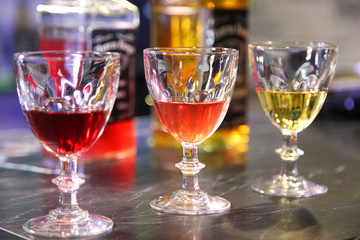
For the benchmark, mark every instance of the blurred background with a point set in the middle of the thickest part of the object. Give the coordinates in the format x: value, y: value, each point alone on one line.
x: 324, y: 20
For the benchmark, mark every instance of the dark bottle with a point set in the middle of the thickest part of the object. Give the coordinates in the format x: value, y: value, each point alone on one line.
x: 225, y: 24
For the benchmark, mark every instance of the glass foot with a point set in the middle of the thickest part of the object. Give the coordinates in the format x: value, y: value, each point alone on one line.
x: 285, y: 186
x: 50, y: 226
x: 190, y: 203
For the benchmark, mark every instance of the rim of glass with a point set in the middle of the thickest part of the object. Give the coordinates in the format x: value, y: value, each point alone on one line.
x: 293, y: 44
x: 61, y: 54
x: 190, y: 50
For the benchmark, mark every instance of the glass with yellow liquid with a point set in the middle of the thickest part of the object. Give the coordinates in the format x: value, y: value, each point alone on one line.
x: 291, y: 80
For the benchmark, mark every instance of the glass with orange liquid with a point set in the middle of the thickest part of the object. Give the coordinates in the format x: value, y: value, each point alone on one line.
x: 191, y: 89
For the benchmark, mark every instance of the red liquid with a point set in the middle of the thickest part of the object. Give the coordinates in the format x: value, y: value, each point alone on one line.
x: 191, y: 122
x: 56, y: 66
x: 61, y: 44
x: 66, y: 133
x: 118, y: 141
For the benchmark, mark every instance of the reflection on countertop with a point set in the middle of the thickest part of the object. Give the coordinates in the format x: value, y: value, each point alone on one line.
x: 122, y: 189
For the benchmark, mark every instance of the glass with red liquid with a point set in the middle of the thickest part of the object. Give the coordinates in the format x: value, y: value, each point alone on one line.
x: 67, y: 97
x: 191, y: 89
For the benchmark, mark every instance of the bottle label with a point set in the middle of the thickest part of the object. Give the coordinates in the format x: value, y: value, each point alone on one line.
x: 229, y: 28
x: 124, y: 42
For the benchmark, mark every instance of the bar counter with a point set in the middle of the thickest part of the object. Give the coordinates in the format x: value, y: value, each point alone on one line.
x: 122, y: 189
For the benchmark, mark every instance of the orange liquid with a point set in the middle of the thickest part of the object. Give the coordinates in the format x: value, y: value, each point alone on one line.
x: 191, y: 122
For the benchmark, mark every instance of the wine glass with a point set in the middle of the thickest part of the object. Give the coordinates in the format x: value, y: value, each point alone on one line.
x: 291, y: 81
x: 191, y: 90
x: 66, y: 97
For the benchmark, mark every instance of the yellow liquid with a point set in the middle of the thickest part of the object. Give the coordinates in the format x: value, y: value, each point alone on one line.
x: 175, y: 25
x: 291, y: 111
x: 226, y: 4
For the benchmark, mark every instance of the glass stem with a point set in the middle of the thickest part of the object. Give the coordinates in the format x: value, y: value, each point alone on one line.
x: 68, y: 182
x: 289, y: 154
x: 190, y: 168
x: 289, y: 168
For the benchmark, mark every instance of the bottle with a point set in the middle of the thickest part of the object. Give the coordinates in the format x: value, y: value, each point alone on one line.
x: 99, y: 25
x: 190, y: 23
x: 174, y: 23
x: 225, y: 24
